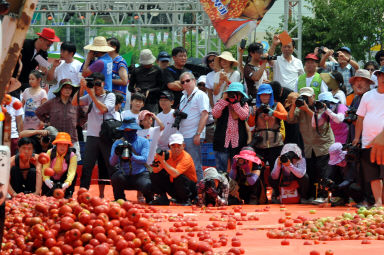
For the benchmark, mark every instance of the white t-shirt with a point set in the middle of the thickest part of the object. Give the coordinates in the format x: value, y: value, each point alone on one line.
x: 167, y: 119
x: 210, y: 80
x: 31, y: 103
x: 117, y: 116
x: 374, y: 78
x: 372, y: 109
x: 152, y: 134
x: 66, y: 71
x: 233, y: 77
x: 127, y: 113
x: 194, y: 108
x: 286, y: 72
x: 341, y: 96
x: 14, y: 113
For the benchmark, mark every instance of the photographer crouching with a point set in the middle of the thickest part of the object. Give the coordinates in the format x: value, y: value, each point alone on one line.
x: 213, y: 189
x: 174, y: 173
x: 129, y: 155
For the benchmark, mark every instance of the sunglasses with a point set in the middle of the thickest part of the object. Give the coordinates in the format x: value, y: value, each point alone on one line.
x: 185, y: 81
x: 210, y: 61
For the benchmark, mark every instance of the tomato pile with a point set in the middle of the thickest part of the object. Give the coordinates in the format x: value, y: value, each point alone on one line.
x: 91, y: 225
x: 363, y: 225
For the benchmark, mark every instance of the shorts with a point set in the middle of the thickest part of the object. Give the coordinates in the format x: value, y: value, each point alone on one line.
x: 371, y: 171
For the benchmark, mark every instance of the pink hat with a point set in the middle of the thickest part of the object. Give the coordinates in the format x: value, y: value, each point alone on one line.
x: 336, y: 154
x: 49, y: 34
x: 142, y: 114
x: 249, y: 155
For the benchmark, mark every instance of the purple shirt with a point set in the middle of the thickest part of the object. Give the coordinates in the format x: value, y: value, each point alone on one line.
x: 340, y: 130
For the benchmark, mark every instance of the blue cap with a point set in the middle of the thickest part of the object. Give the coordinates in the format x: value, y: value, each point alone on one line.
x: 237, y: 87
x: 163, y: 56
x: 264, y: 89
x: 129, y: 122
x: 344, y: 48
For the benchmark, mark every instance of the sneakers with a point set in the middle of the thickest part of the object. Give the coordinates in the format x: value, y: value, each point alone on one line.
x: 319, y: 200
x: 161, y: 200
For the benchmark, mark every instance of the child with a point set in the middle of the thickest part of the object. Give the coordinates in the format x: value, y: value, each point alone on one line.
x: 118, y: 105
x: 246, y: 172
x: 151, y: 133
x: 213, y: 189
x: 166, y: 116
x: 25, y: 170
x: 64, y: 164
x: 137, y: 102
x: 32, y: 98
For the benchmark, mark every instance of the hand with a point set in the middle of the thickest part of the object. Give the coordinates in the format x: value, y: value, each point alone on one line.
x: 279, y: 161
x: 328, y: 52
x: 90, y: 55
x: 56, y: 63
x: 83, y: 84
x: 342, y: 56
x: 44, y: 132
x: 241, y: 50
x: 49, y: 183
x: 288, y: 163
x: 276, y: 41
x: 304, y: 107
x: 357, y: 140
x: 377, y: 149
x: 225, y: 95
x: 223, y: 77
x: 316, y: 51
x: 65, y: 186
x: 264, y: 57
x: 196, y: 139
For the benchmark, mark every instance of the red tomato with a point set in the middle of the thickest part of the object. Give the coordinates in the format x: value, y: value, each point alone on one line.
x: 58, y: 193
x: 101, y: 249
x: 49, y: 171
x: 284, y: 242
x: 43, y: 158
x: 329, y: 252
x: 314, y: 253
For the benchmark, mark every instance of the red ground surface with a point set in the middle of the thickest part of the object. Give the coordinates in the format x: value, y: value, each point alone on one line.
x: 254, y: 239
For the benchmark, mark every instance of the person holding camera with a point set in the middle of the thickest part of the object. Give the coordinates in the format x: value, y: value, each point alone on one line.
x: 369, y: 124
x: 344, y: 64
x: 335, y: 83
x: 290, y: 170
x: 191, y: 118
x: 129, y: 156
x: 147, y: 80
x: 174, y: 174
x: 286, y: 68
x: 230, y: 135
x: 311, y: 78
x: 341, y: 179
x: 330, y: 109
x: 255, y: 71
x: 213, y: 189
x: 41, y: 139
x: 101, y: 106
x: 267, y: 117
x: 317, y: 140
x: 63, y: 166
x: 98, y: 60
x: 245, y: 171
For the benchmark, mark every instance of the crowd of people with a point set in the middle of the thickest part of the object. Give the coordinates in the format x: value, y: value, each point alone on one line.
x: 302, y: 131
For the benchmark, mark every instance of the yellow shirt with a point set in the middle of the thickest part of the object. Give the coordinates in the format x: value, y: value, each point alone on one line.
x: 57, y: 168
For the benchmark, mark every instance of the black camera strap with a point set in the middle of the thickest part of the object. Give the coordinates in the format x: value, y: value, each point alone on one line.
x: 189, y: 100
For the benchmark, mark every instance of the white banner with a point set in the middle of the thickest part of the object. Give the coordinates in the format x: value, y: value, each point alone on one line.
x: 144, y: 38
x: 165, y: 39
x: 127, y: 40
x: 158, y: 36
x: 151, y: 38
x: 133, y: 40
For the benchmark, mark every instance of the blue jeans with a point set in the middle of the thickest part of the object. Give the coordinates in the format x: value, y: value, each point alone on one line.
x: 195, y: 152
x: 221, y: 159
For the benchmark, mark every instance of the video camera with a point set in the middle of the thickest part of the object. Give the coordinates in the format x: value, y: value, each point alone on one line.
x: 269, y: 58
x: 350, y: 115
x: 300, y: 101
x: 124, y: 151
x: 179, y: 115
x: 288, y: 156
x: 353, y: 152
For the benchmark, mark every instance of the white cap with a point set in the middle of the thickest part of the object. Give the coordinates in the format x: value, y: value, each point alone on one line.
x: 202, y: 78
x: 176, y: 138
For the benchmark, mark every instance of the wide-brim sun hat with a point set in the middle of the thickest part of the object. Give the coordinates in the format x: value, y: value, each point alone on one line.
x: 328, y: 96
x: 249, y: 155
x: 329, y: 80
x: 226, y: 55
x: 49, y: 34
x: 63, y: 137
x: 205, y: 58
x: 99, y: 44
x: 146, y: 57
x: 236, y: 87
x: 61, y: 85
x: 362, y: 73
x: 129, y: 123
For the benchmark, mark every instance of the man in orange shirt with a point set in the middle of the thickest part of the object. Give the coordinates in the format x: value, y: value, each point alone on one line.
x: 174, y: 173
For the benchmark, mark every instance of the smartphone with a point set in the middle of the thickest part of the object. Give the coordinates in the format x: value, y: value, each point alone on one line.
x: 243, y: 43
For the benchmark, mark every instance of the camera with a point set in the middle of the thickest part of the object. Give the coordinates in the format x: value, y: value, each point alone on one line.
x: 319, y: 105
x: 164, y: 153
x: 124, y: 150
x: 210, y: 189
x: 300, y: 100
x: 90, y: 82
x: 269, y: 58
x: 353, y: 152
x: 243, y: 43
x: 327, y: 185
x: 232, y: 97
x: 321, y: 50
x: 335, y: 55
x: 179, y: 115
x: 350, y: 115
x: 46, y: 139
x: 288, y: 156
x: 264, y: 108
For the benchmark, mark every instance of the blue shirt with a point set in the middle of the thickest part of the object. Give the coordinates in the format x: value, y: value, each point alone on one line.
x: 118, y: 62
x: 141, y: 146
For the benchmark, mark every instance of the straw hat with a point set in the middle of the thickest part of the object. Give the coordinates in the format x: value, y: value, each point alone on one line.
x: 226, y: 55
x: 99, y: 44
x: 63, y: 137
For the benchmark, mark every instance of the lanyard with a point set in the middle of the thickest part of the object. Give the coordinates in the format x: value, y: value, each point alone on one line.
x: 189, y: 99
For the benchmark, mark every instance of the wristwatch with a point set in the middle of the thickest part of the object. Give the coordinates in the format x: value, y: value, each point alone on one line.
x: 198, y: 133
